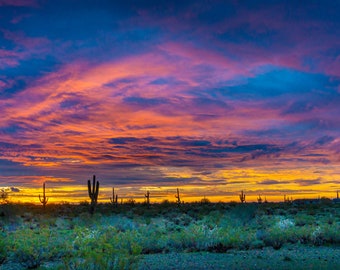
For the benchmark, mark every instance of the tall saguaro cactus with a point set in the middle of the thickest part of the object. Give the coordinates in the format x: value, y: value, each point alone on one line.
x: 242, y: 197
x: 43, y: 199
x: 178, y: 197
x: 114, y: 199
x: 93, y: 193
x: 147, y: 196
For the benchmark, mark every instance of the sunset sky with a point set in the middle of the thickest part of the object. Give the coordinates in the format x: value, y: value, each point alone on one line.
x: 212, y: 97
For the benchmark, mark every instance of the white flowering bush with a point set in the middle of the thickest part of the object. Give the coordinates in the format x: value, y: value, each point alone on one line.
x: 85, y: 236
x: 317, y: 236
x: 194, y: 237
x: 284, y: 223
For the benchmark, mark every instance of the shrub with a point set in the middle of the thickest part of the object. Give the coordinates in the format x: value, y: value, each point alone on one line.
x: 274, y: 238
x: 303, y: 219
x: 31, y: 247
x: 317, y: 236
x: 298, y: 235
x: 238, y: 237
x: 3, y: 248
x: 104, y: 248
x: 257, y: 244
x: 326, y: 234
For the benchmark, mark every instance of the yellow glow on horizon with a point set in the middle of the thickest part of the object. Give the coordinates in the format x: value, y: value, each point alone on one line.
x: 157, y: 195
x: 221, y: 185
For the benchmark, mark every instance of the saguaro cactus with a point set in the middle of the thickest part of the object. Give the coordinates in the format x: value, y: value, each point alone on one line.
x: 259, y: 199
x: 242, y: 197
x: 147, y: 196
x: 114, y: 199
x: 93, y: 193
x: 286, y: 199
x: 43, y: 199
x: 178, y: 197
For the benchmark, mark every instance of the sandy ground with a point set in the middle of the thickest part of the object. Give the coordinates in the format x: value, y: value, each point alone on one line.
x: 302, y: 257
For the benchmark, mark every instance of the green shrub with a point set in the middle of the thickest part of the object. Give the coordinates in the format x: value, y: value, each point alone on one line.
x: 274, y: 238
x: 32, y: 247
x: 298, y: 235
x: 326, y: 234
x: 256, y: 244
x: 303, y: 219
x: 237, y: 237
x: 104, y: 248
x: 200, y: 236
x: 3, y: 248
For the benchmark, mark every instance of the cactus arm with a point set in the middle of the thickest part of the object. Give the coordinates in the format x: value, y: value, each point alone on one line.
x: 97, y: 190
x: 178, y: 197
x: 93, y: 184
x: 112, y: 199
x: 89, y: 188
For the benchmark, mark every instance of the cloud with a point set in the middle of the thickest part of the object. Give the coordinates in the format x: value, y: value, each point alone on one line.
x: 272, y: 182
x: 269, y: 182
x: 324, y: 140
x: 14, y: 189
x: 144, y: 102
x: 19, y: 3
x: 308, y: 182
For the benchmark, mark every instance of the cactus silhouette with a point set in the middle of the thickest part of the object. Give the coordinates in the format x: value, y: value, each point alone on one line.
x: 242, y: 197
x: 287, y: 200
x: 43, y: 199
x: 259, y: 199
x: 114, y: 198
x: 93, y: 193
x: 178, y: 197
x: 147, y: 196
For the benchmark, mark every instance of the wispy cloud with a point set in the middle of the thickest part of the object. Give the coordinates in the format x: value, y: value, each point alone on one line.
x: 19, y: 3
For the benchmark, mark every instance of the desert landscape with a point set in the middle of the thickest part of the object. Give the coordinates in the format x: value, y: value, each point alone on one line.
x: 169, y: 134
x: 200, y: 235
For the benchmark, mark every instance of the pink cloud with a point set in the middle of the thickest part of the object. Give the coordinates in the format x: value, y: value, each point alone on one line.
x: 29, y: 43
x: 275, y: 38
x: 19, y: 3
x: 9, y: 58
